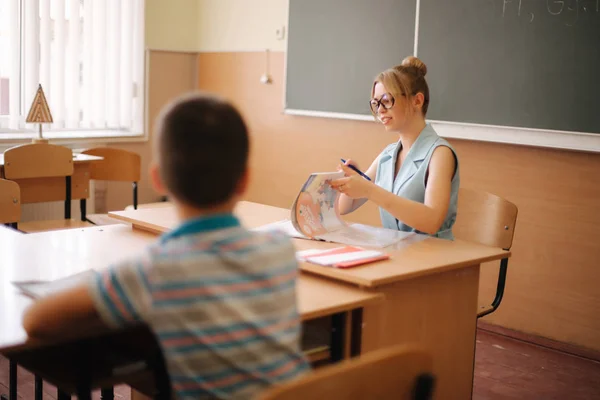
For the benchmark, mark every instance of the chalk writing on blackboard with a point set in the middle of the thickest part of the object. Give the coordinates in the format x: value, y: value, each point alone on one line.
x: 568, y: 10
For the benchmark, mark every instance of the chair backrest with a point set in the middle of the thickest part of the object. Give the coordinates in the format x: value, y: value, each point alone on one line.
x: 116, y: 165
x: 398, y: 372
x: 10, y: 202
x: 485, y: 218
x: 37, y: 160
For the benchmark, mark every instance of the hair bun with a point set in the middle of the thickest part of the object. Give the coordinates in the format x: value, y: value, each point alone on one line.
x: 414, y: 62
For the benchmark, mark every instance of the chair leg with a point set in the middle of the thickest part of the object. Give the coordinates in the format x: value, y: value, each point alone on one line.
x: 12, y: 381
x: 39, y: 388
x: 107, y: 393
x: 499, y: 289
x: 135, y: 195
x: 68, y: 197
x: 83, y: 209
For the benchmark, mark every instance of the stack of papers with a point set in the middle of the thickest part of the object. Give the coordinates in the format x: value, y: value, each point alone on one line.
x: 341, y: 257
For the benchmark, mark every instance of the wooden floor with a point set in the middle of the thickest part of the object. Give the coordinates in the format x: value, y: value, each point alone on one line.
x: 504, y: 369
x: 512, y: 369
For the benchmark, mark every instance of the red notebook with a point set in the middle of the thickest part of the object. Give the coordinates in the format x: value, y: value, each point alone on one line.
x: 342, y: 257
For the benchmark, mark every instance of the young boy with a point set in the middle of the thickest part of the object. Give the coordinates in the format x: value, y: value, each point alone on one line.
x: 219, y: 298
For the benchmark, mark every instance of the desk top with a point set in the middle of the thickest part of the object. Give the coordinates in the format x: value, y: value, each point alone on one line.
x: 77, y: 158
x: 162, y: 219
x: 57, y: 254
x: 416, y: 256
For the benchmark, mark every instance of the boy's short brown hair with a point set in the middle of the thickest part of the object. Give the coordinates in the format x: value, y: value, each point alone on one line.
x: 203, y: 146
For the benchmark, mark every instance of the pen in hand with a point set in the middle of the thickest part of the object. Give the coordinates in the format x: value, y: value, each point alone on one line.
x: 356, y: 170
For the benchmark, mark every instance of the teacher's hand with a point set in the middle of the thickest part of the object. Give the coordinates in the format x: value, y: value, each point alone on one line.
x: 352, y: 185
x: 348, y: 162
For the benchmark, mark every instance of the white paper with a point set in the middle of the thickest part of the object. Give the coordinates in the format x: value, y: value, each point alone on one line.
x: 365, y: 235
x: 303, y: 254
x: 343, y: 257
x: 38, y: 289
x: 352, y: 235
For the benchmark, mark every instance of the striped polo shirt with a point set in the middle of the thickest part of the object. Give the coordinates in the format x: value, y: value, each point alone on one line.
x: 220, y: 299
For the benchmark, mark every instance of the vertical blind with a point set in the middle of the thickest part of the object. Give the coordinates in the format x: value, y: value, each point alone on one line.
x: 87, y: 55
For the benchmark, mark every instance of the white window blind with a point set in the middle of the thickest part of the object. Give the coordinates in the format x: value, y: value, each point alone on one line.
x: 88, y: 55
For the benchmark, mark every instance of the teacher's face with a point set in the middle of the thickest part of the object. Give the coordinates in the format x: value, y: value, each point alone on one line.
x: 390, y: 111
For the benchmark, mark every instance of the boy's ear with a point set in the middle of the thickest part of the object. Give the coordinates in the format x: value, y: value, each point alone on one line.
x: 243, y: 183
x: 157, y: 182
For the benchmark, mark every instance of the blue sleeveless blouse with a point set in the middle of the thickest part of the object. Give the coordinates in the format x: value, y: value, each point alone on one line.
x: 410, y: 181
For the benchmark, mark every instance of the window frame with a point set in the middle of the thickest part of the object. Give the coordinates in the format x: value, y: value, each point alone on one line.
x: 77, y: 136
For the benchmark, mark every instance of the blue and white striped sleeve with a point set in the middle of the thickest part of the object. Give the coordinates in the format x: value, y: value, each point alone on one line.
x: 121, y: 293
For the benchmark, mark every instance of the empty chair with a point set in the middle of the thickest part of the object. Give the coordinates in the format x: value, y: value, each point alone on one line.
x: 398, y: 372
x: 54, y: 165
x: 490, y: 220
x: 117, y: 165
x: 10, y: 203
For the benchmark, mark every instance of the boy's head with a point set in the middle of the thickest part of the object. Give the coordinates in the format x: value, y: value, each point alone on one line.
x: 201, y: 149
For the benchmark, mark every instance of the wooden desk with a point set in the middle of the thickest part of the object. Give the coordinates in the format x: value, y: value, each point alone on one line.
x: 51, y: 189
x: 57, y: 254
x: 53, y: 255
x: 430, y: 287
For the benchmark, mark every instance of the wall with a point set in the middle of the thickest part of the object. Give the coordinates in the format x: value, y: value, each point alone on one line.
x: 241, y: 25
x: 172, y: 25
x: 553, y: 275
x: 171, y: 36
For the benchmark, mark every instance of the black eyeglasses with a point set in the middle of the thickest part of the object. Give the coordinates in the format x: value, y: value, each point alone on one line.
x: 387, y: 101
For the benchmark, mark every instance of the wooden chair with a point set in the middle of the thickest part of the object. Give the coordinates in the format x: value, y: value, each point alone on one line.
x: 10, y: 203
x: 117, y: 165
x: 51, y: 163
x: 398, y: 372
x: 490, y: 220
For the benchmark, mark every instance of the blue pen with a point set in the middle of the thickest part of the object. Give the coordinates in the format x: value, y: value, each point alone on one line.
x: 356, y: 170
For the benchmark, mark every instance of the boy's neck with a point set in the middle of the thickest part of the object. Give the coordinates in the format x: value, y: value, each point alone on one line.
x: 186, y: 212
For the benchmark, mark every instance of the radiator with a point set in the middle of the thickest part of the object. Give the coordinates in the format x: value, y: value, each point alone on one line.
x: 56, y: 209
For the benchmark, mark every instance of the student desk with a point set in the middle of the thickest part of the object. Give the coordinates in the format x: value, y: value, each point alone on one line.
x: 51, y: 189
x: 56, y: 254
x: 430, y: 287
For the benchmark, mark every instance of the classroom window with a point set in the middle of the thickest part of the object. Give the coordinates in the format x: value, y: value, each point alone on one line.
x: 87, y: 55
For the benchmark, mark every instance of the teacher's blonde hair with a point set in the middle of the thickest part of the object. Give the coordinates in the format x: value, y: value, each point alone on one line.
x: 406, y: 79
